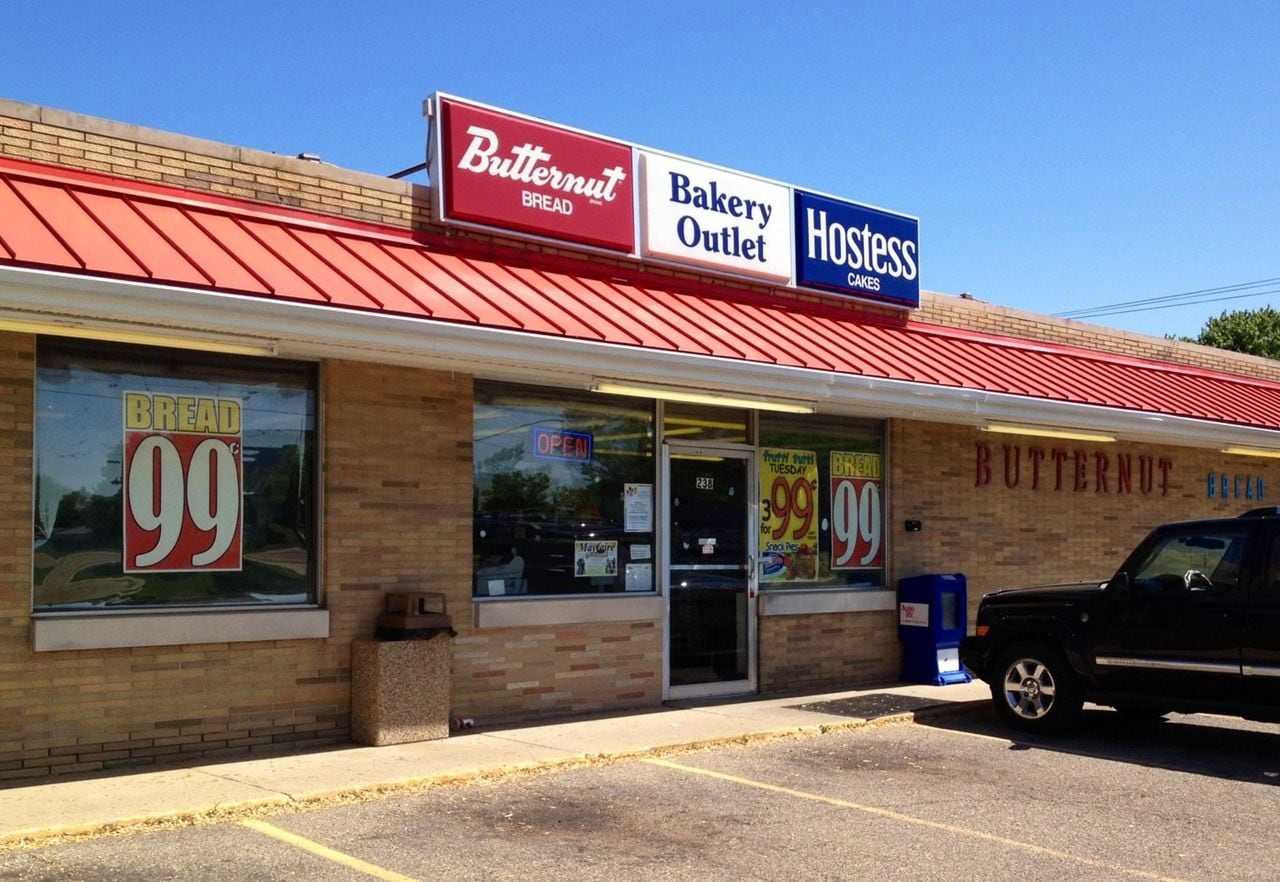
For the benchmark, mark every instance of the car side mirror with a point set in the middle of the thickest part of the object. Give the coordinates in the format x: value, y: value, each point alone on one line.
x: 1119, y: 583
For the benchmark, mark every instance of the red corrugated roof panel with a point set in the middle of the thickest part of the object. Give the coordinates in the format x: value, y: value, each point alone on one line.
x: 561, y: 308
x: 242, y: 237
x: 25, y: 237
x: 76, y: 228
x: 145, y: 244
x: 77, y: 222
x: 210, y: 258
x: 434, y: 285
x: 601, y: 311
x: 624, y: 315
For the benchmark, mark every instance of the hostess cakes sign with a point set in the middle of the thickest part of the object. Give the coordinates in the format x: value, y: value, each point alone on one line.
x: 507, y: 171
x: 852, y: 249
x: 695, y: 213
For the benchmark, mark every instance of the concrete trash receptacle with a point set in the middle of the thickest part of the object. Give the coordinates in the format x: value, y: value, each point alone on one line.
x: 400, y: 684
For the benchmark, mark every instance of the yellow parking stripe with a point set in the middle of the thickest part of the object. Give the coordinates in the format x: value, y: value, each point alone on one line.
x: 327, y: 853
x: 919, y: 822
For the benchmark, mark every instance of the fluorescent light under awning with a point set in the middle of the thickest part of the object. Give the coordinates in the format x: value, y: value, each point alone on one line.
x: 691, y: 397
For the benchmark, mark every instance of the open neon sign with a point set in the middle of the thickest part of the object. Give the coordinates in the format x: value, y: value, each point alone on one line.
x: 562, y: 445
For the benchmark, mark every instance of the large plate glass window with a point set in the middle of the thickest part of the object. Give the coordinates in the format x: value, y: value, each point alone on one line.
x: 822, y: 502
x: 564, y: 492
x: 170, y: 478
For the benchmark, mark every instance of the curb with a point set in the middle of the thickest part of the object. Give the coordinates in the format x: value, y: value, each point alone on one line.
x: 283, y: 803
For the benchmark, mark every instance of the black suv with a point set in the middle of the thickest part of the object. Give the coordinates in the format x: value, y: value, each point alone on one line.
x: 1190, y: 622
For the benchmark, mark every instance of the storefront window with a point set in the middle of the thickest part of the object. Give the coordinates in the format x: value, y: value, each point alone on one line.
x: 564, y: 492
x: 168, y: 478
x: 822, y: 491
x: 703, y: 423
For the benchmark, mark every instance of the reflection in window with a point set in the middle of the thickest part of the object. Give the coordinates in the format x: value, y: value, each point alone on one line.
x: 682, y: 421
x: 563, y: 492
x: 169, y: 478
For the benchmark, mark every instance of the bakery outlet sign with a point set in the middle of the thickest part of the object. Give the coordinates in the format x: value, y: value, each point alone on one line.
x: 694, y: 213
x: 498, y: 170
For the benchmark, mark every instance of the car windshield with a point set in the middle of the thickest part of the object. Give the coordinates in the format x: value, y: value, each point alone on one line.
x: 1178, y: 560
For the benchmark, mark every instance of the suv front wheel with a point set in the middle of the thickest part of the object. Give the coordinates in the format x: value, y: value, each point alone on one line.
x: 1036, y: 690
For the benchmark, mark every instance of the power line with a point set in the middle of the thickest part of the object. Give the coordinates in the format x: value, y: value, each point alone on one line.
x: 1168, y: 301
x: 1117, y: 310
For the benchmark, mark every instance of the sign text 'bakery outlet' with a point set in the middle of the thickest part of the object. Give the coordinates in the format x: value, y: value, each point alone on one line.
x: 700, y: 214
x: 496, y: 169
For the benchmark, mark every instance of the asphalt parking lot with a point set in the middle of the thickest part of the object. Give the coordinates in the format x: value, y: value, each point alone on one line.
x: 954, y: 798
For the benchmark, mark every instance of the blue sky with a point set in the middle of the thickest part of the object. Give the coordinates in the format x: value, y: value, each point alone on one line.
x: 1059, y: 156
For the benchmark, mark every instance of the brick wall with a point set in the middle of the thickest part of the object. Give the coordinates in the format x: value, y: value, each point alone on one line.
x: 397, y: 491
x: 831, y: 651
x: 522, y: 673
x: 1002, y: 536
x: 42, y: 134
x: 17, y: 370
x: 82, y: 711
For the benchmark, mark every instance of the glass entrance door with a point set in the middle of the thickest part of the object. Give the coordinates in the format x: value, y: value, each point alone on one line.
x: 710, y: 584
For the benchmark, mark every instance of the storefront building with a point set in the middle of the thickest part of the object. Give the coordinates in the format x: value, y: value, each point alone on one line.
x: 655, y: 429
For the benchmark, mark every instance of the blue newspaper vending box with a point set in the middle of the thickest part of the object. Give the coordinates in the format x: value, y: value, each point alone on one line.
x: 933, y: 613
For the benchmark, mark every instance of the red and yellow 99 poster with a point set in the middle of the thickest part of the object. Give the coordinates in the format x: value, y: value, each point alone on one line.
x: 788, y: 515
x: 183, y: 483
x: 857, y: 511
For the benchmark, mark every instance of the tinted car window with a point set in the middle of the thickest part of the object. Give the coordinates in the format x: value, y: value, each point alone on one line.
x: 1201, y: 560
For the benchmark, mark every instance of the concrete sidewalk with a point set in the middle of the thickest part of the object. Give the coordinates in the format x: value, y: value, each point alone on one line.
x: 233, y: 790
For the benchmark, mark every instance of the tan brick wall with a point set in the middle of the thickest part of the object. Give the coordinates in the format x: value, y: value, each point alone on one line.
x: 397, y: 491
x: 1000, y: 536
x: 830, y: 651
x: 523, y: 673
x: 17, y: 370
x: 43, y: 134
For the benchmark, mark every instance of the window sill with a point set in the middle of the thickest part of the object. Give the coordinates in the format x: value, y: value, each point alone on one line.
x: 53, y: 632
x: 568, y: 611
x: 798, y: 602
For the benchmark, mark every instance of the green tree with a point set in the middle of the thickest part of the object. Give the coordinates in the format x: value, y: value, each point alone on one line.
x: 515, y: 492
x: 1255, y: 332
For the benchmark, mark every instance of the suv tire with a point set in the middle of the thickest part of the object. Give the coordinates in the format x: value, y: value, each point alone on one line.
x: 1035, y: 689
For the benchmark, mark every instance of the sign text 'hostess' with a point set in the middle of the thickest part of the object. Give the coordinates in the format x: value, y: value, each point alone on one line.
x: 505, y: 171
x: 700, y: 214
x: 853, y: 249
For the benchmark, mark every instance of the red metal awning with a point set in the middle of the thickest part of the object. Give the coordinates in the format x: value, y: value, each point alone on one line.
x: 81, y: 223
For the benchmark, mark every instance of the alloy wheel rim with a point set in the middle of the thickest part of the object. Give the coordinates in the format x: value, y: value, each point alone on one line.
x: 1029, y: 688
